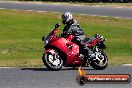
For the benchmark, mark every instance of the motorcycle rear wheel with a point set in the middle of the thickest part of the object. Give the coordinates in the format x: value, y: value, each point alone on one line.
x: 96, y: 64
x: 52, y: 61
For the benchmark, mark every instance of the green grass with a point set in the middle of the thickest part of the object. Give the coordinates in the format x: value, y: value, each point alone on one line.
x: 21, y: 32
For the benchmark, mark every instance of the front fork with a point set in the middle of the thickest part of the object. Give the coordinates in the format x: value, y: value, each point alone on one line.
x: 92, y: 53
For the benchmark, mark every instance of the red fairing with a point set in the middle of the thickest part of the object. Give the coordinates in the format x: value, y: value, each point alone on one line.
x: 71, y: 54
x: 70, y: 49
x: 94, y: 42
x: 70, y: 37
x: 50, y: 50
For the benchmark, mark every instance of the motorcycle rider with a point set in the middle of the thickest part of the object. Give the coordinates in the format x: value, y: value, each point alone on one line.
x: 73, y: 27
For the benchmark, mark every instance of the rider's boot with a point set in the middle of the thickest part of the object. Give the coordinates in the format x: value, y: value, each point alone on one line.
x: 89, y: 52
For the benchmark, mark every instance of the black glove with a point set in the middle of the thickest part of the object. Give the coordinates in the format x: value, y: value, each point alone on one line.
x: 65, y: 34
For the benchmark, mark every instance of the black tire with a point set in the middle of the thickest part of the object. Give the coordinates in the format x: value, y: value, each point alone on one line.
x: 50, y: 67
x: 96, y: 66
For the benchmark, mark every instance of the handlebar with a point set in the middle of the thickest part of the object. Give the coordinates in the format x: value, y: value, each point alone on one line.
x: 57, y: 25
x: 98, y: 36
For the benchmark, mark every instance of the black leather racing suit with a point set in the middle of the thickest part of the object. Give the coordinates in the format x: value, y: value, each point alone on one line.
x: 74, y: 28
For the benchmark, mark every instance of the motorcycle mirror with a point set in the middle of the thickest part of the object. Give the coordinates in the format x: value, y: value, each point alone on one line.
x: 57, y: 25
x: 43, y: 38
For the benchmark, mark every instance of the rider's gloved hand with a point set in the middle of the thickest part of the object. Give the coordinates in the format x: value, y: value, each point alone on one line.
x: 65, y: 34
x: 61, y: 34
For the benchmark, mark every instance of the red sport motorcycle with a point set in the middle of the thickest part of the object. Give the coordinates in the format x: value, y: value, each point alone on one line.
x: 61, y: 51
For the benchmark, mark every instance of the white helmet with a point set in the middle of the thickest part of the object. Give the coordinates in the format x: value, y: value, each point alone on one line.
x: 66, y: 17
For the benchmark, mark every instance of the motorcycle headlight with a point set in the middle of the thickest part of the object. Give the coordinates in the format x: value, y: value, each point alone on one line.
x: 47, y: 40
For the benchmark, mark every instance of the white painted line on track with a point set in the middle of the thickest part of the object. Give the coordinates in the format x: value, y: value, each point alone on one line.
x: 40, y: 11
x: 106, y: 16
x: 2, y: 8
x: 30, y: 10
x: 7, y: 67
x: 127, y: 64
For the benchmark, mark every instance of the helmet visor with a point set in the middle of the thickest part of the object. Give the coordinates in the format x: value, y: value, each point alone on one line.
x: 64, y: 19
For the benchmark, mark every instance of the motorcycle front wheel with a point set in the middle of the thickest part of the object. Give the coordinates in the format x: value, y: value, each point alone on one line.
x: 100, y: 62
x: 52, y: 61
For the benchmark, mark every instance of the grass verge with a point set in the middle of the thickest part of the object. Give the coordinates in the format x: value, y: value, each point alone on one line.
x: 21, y: 32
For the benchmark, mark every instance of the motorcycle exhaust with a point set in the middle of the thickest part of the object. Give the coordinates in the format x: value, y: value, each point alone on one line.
x: 92, y: 55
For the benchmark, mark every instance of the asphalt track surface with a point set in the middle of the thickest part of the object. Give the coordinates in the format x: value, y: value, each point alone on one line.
x: 65, y: 78
x: 91, y: 10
